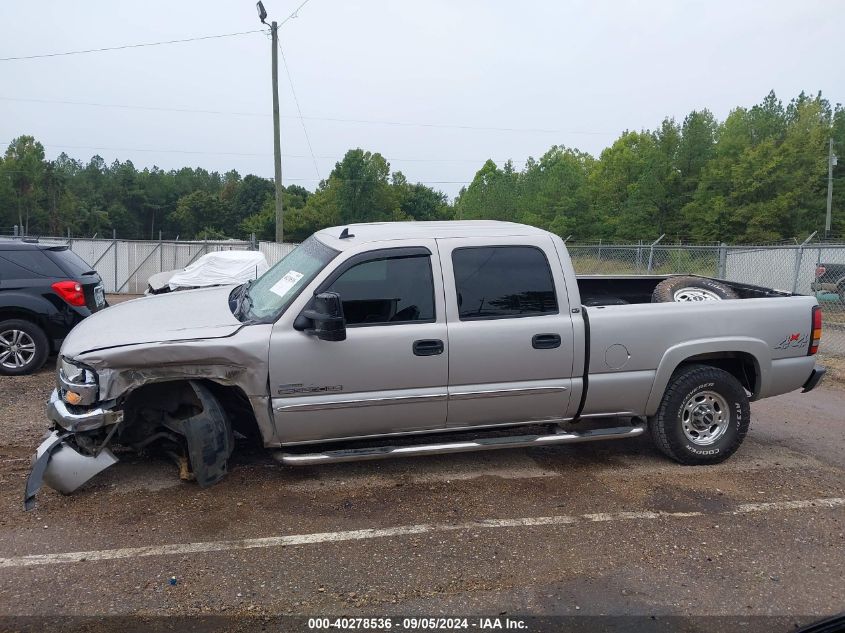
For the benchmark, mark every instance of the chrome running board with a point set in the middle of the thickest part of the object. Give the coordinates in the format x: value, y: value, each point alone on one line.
x: 486, y: 444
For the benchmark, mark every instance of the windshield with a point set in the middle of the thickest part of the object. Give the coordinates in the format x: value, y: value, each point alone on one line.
x: 274, y: 291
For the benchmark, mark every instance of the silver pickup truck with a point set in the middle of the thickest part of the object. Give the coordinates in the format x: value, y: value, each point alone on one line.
x: 399, y: 339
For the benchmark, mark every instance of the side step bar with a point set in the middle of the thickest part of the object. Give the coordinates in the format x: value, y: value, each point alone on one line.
x: 486, y: 444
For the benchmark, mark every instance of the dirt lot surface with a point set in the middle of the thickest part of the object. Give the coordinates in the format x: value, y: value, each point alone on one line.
x: 604, y: 528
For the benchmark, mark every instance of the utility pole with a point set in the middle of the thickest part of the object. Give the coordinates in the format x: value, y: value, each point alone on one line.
x: 277, y: 142
x: 831, y: 163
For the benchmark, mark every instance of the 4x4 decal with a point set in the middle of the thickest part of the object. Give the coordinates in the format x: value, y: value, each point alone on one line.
x: 795, y: 339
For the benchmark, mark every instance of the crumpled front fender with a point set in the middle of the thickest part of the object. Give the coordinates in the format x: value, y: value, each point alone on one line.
x: 58, y: 464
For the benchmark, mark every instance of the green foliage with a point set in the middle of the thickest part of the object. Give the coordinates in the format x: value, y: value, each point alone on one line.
x: 759, y: 175
x: 767, y: 177
x: 23, y: 164
x: 418, y: 202
x: 198, y: 210
x: 359, y: 189
x: 249, y: 198
x: 263, y: 223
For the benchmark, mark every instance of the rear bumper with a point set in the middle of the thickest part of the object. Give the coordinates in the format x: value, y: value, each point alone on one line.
x: 815, y: 378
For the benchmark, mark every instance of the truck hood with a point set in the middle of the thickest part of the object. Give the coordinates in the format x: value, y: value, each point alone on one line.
x: 178, y: 316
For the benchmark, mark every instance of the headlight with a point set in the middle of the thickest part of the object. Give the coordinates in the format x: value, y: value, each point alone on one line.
x: 77, y: 385
x: 75, y: 373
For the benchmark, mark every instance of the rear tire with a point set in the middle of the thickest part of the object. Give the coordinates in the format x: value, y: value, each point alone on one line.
x: 703, y: 417
x: 23, y: 347
x: 682, y: 289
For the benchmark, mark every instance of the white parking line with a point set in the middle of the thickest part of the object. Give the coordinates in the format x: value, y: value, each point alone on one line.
x: 405, y: 530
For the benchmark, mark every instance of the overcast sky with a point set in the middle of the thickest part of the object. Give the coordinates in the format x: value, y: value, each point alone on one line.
x: 575, y: 73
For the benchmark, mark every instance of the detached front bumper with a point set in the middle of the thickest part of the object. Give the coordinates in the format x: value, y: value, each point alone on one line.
x: 58, y: 462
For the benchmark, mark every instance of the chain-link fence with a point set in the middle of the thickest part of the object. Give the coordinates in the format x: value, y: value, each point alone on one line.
x: 274, y: 251
x: 808, y: 269
x: 643, y: 259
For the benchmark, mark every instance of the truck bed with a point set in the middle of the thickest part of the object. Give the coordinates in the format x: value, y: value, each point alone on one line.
x: 597, y: 290
x: 634, y: 344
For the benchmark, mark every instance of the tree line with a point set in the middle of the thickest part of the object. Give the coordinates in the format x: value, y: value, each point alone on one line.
x: 760, y: 175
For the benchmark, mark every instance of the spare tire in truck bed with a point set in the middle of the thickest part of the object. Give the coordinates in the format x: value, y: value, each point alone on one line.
x: 691, y: 289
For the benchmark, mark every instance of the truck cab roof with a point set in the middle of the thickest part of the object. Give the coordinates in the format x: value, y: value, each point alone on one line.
x: 343, y: 237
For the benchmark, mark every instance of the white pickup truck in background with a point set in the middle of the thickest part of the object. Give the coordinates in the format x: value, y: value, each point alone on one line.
x: 394, y: 339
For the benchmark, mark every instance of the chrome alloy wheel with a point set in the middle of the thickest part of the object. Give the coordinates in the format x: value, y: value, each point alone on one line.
x: 17, y: 349
x: 696, y: 294
x: 705, y: 417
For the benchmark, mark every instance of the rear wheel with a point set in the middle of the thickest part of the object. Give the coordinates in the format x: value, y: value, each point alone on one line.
x: 23, y: 347
x: 703, y: 417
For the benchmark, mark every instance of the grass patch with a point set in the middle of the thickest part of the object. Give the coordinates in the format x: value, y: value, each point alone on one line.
x: 835, y: 366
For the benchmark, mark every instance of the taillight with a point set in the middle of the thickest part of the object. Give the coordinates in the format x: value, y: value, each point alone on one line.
x: 820, y: 270
x: 70, y: 291
x: 816, y: 336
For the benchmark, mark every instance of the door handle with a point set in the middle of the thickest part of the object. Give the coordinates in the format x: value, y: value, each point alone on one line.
x: 428, y: 347
x: 545, y: 341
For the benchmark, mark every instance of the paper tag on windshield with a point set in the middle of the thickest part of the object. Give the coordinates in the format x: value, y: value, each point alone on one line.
x: 287, y: 282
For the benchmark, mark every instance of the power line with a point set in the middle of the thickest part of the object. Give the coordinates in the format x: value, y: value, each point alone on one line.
x: 294, y: 14
x: 296, y: 101
x: 457, y: 127
x: 262, y: 154
x: 126, y: 46
x: 146, y: 44
x: 448, y: 126
x: 123, y: 106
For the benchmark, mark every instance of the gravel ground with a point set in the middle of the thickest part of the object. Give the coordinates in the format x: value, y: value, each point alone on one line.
x: 691, y: 546
x: 835, y: 365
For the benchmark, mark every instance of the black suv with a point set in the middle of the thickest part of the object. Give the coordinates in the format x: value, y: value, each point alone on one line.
x: 44, y: 291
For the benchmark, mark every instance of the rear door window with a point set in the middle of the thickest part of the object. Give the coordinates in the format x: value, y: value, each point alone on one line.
x: 503, y: 282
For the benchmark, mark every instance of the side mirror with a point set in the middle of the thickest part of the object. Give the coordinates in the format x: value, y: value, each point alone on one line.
x: 327, y: 317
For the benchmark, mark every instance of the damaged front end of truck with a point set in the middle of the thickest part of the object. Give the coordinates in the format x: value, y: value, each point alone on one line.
x: 182, y: 420
x: 174, y: 397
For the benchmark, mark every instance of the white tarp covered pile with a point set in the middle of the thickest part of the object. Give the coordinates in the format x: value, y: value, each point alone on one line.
x: 220, y: 268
